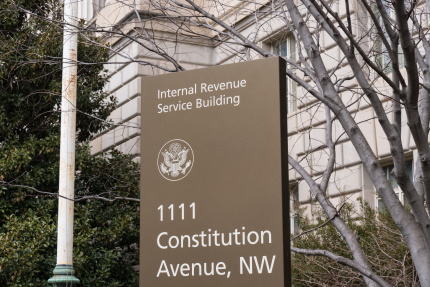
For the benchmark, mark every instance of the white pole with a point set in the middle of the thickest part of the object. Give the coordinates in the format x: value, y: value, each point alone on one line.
x: 63, y: 272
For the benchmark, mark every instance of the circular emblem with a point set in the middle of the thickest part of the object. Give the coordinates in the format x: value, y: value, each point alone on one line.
x: 175, y: 160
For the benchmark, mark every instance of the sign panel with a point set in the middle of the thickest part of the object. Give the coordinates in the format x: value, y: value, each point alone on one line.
x: 214, y: 185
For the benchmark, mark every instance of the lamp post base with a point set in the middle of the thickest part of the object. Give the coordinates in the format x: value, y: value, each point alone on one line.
x: 64, y: 275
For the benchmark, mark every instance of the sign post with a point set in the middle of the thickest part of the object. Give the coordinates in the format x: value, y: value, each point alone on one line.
x: 214, y: 186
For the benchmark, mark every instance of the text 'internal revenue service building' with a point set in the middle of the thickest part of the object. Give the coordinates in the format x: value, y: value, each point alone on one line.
x: 214, y: 186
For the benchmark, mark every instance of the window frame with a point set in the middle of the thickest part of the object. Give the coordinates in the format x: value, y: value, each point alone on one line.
x: 381, y: 57
x: 379, y: 205
x: 281, y: 47
x: 294, y: 208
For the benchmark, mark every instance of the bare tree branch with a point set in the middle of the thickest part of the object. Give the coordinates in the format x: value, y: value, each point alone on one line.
x: 344, y: 261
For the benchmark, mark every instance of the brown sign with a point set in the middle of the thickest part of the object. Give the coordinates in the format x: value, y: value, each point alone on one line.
x: 214, y: 186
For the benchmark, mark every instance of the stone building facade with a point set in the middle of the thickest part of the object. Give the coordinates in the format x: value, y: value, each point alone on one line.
x: 129, y: 62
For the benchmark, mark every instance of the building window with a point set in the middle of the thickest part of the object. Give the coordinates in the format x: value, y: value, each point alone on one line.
x: 381, y: 55
x: 387, y: 169
x: 382, y: 59
x: 294, y: 209
x: 286, y: 48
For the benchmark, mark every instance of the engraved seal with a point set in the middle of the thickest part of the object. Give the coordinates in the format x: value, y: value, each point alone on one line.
x: 175, y: 160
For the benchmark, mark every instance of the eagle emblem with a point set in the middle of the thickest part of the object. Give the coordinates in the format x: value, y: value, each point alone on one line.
x: 175, y: 160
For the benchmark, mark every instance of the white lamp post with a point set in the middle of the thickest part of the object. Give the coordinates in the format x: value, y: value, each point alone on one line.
x: 63, y: 272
